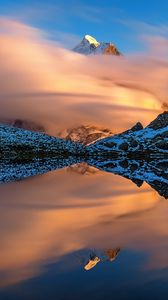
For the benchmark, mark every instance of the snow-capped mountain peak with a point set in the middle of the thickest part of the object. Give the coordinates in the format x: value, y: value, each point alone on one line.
x: 89, y: 45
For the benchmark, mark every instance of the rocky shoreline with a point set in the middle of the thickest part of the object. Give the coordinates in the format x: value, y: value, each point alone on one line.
x: 139, y: 154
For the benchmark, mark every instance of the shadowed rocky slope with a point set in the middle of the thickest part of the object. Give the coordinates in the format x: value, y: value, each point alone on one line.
x: 16, y: 143
x: 137, y: 141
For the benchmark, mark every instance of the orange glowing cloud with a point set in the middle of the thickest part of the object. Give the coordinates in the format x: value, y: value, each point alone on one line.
x: 42, y: 82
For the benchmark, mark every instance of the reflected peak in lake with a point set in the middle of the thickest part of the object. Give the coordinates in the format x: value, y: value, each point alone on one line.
x: 60, y: 223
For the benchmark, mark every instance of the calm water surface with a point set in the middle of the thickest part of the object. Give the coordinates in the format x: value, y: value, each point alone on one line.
x: 64, y: 235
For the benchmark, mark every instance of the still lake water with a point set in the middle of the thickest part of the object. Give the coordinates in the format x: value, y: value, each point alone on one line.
x: 67, y: 235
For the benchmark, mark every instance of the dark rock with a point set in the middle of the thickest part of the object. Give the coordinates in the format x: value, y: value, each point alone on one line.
x: 110, y: 165
x: 138, y: 182
x: 124, y: 146
x: 164, y: 134
x: 162, y: 145
x: 160, y: 187
x: 124, y: 164
x: 141, y: 147
x: 133, y: 143
x: 133, y: 167
x: 110, y: 144
x: 162, y: 165
x: 138, y: 126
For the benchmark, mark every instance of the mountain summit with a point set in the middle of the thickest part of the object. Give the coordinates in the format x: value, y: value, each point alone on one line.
x: 89, y: 45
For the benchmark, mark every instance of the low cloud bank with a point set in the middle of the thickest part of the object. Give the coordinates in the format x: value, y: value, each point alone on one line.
x: 42, y: 82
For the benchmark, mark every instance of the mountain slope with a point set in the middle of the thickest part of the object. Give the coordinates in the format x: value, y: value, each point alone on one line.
x: 16, y: 142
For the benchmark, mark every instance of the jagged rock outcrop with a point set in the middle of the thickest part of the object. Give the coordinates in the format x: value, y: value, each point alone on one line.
x: 138, y: 126
x: 160, y: 122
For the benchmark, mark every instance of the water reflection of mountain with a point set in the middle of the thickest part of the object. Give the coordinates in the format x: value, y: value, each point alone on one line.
x: 96, y: 256
x: 154, y: 172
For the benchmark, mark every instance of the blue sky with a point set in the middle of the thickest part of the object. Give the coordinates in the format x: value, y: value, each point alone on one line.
x: 123, y: 22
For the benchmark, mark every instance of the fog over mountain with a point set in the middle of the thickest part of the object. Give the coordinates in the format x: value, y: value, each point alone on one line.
x: 60, y: 89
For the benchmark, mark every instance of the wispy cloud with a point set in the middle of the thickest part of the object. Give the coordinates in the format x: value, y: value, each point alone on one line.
x: 88, y: 13
x: 145, y: 28
x: 40, y: 11
x: 96, y: 14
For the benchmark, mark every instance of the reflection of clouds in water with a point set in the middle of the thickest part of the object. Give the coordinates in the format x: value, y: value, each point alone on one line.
x: 48, y: 217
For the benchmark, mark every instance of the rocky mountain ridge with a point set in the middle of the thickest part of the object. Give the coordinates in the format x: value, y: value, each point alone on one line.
x: 152, y: 139
x: 85, y: 134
